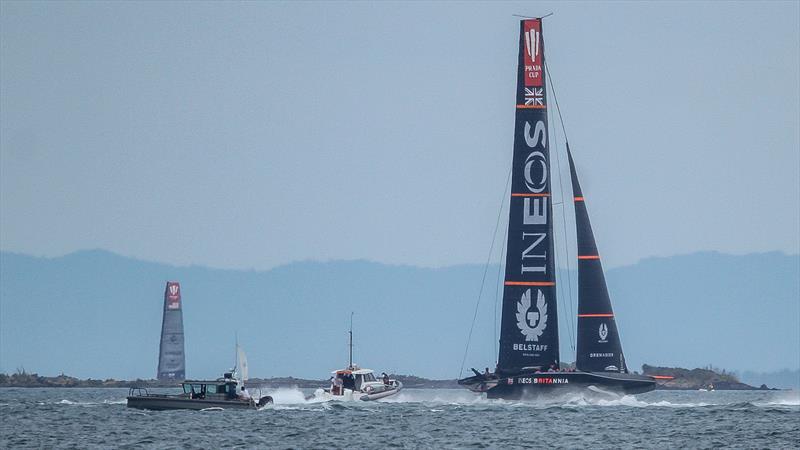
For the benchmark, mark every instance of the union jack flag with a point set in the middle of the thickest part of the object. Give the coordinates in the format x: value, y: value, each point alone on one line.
x: 534, y: 96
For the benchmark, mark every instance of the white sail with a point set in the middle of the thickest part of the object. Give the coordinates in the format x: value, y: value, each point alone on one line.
x: 241, y: 364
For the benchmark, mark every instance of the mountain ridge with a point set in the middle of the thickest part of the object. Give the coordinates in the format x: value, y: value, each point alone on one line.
x: 93, y: 311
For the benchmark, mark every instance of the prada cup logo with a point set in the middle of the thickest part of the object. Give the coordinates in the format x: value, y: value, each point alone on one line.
x: 603, y: 332
x: 532, y: 43
x: 532, y: 321
x: 173, y: 289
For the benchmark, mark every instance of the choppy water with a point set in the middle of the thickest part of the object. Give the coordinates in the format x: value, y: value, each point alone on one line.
x: 98, y: 418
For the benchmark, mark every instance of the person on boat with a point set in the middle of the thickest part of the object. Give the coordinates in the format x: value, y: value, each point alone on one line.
x: 386, y: 380
x: 244, y: 395
x: 337, y: 385
x: 349, y: 382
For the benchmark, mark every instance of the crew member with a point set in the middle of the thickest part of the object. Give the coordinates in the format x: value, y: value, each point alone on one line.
x: 244, y: 395
x: 337, y: 385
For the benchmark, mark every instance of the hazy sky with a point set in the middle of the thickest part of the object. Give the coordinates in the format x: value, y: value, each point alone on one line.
x: 253, y: 134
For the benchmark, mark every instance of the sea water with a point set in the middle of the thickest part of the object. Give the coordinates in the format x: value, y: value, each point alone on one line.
x: 424, y: 418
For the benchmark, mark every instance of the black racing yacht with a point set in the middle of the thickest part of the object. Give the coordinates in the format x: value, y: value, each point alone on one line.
x: 529, y: 361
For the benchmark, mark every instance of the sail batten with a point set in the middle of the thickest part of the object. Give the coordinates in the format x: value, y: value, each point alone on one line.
x: 171, y: 358
x: 529, y: 324
x: 598, y: 345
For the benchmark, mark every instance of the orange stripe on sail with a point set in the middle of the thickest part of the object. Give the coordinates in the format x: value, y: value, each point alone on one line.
x: 588, y: 256
x: 543, y: 194
x: 531, y: 106
x: 578, y: 199
x: 661, y: 377
x: 595, y: 315
x: 530, y: 283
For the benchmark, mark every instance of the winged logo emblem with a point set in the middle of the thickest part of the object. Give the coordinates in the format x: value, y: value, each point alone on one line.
x: 532, y: 321
x: 603, y: 332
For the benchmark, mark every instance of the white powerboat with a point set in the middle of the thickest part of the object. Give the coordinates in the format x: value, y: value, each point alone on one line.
x: 355, y: 383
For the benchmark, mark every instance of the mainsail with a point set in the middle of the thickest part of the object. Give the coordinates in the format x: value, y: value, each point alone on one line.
x: 171, y: 359
x: 598, y: 346
x: 529, y: 328
x: 241, y: 364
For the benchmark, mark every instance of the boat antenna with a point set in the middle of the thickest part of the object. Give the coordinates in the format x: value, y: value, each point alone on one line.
x: 351, y: 340
x: 236, y: 352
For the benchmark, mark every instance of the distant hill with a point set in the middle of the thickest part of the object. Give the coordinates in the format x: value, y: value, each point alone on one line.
x: 97, y: 314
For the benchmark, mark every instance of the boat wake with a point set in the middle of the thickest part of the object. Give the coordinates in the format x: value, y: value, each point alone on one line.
x: 78, y: 403
x: 437, y: 399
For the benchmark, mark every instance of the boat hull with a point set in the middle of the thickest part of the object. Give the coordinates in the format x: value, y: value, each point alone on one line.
x: 538, y: 384
x: 163, y: 403
x: 349, y: 395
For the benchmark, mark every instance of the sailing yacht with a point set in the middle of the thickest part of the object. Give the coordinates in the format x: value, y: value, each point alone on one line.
x: 529, y: 359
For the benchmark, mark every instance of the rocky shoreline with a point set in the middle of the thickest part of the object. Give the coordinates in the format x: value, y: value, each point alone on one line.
x: 682, y: 379
x: 697, y: 379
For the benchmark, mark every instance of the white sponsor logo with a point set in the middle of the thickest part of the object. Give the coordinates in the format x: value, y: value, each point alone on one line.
x: 173, y: 289
x: 532, y: 43
x: 601, y: 355
x: 612, y: 369
x: 532, y: 321
x: 538, y: 183
x: 603, y: 332
x: 537, y: 380
x: 530, y: 347
x: 534, y: 209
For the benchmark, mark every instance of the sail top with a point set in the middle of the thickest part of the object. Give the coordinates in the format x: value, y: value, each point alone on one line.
x: 529, y: 327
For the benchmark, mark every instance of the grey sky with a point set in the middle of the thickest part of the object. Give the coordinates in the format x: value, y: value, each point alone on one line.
x: 253, y: 134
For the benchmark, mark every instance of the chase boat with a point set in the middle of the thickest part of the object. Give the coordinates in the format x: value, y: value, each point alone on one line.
x: 222, y: 393
x: 355, y: 383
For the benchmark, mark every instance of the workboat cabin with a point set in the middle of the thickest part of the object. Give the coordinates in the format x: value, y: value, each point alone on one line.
x: 351, y: 379
x: 222, y: 389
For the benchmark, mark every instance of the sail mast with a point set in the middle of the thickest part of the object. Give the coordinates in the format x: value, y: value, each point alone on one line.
x: 529, y: 324
x: 351, y: 341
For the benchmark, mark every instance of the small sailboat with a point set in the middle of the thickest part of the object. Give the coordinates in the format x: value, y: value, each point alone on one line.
x: 355, y: 383
x: 529, y: 362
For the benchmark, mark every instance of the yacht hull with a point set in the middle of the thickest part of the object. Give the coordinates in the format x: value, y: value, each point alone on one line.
x: 537, y: 384
x: 163, y: 403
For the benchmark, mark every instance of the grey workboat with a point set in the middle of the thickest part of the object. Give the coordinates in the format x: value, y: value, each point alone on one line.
x: 223, y: 393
